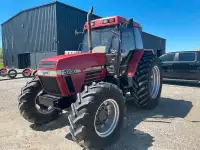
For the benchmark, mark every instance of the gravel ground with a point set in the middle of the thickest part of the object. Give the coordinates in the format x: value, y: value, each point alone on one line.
x: 174, y: 124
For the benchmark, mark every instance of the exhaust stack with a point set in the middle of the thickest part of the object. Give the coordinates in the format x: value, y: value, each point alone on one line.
x: 89, y: 30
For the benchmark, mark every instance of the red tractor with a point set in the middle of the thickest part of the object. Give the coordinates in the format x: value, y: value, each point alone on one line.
x: 110, y: 68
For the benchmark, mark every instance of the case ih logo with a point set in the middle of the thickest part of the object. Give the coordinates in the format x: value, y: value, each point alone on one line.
x: 70, y: 71
x: 94, y: 68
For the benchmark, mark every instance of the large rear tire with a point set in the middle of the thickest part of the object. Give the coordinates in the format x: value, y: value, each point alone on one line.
x: 147, y: 82
x: 29, y: 107
x: 91, y: 114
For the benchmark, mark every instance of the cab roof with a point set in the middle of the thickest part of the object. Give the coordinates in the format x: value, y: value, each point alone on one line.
x: 109, y: 21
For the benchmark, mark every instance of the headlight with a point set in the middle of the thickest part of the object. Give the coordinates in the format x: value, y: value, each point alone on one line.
x: 51, y: 73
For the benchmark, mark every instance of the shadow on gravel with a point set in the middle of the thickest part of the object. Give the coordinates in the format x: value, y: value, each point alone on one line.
x: 182, y: 83
x: 167, y: 108
x: 5, y: 79
x: 61, y: 122
x: 132, y: 139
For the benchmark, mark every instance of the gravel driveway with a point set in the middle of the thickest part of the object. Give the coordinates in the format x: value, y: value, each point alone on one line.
x: 174, y: 124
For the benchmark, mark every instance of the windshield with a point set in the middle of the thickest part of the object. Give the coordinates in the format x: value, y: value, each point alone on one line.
x: 101, y: 37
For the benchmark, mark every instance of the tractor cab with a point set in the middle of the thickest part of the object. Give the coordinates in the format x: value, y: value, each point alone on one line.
x: 115, y: 36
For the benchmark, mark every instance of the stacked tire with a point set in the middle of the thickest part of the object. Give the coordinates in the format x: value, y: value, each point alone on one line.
x: 3, y: 72
x: 27, y: 73
x: 12, y: 73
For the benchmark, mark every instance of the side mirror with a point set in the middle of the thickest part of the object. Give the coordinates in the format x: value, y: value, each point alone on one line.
x: 129, y: 23
x: 161, y: 60
x: 76, y: 32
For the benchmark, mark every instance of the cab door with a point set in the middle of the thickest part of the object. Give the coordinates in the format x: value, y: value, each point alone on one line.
x: 186, y: 66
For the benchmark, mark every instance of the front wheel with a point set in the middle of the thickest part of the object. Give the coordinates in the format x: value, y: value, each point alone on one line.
x: 30, y: 108
x: 97, y: 116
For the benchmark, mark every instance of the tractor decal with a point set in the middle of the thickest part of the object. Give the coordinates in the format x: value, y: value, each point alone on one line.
x: 70, y: 71
x: 94, y: 68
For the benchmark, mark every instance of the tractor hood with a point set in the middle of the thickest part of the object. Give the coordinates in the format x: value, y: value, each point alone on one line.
x: 78, y: 61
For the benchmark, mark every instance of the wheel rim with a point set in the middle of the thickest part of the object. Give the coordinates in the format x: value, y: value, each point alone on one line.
x: 40, y: 108
x: 12, y: 73
x: 106, y: 118
x: 155, y: 81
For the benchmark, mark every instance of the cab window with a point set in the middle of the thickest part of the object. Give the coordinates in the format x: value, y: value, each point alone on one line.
x: 187, y: 56
x: 128, y: 41
x: 168, y: 57
x: 138, y: 38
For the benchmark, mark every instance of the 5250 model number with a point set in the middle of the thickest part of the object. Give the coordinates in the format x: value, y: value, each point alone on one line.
x: 70, y: 71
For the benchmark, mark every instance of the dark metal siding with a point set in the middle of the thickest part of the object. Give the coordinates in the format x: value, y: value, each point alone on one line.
x: 30, y: 31
x: 68, y: 20
x: 153, y: 42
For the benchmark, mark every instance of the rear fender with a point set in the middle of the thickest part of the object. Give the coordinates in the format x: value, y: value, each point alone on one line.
x: 133, y: 64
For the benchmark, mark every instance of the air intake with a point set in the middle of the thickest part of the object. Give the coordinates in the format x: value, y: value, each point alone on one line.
x: 93, y: 76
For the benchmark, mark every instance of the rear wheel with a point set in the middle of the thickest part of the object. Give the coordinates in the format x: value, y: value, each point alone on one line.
x: 147, y: 82
x: 31, y: 109
x: 97, y: 116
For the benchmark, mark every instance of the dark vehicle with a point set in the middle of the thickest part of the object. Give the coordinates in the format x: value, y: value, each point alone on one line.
x: 181, y: 65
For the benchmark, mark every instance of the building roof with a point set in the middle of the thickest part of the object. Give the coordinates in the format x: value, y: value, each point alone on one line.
x: 154, y: 35
x: 44, y: 5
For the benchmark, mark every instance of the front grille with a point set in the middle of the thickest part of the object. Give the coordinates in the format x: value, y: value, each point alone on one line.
x: 47, y: 64
x: 93, y: 76
x: 50, y: 85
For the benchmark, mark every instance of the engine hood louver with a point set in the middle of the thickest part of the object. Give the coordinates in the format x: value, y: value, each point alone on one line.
x: 47, y: 64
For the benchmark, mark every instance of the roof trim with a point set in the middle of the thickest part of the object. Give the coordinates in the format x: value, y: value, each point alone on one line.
x: 75, y: 8
x: 154, y: 35
x: 56, y: 2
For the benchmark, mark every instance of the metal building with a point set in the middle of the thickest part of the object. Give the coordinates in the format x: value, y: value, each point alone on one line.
x: 48, y: 30
x: 40, y: 32
x: 156, y: 43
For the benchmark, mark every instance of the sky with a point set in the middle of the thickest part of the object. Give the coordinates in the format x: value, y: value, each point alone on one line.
x: 178, y: 21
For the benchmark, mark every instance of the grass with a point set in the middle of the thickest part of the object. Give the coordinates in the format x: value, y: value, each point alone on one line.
x: 1, y: 65
x: 1, y: 58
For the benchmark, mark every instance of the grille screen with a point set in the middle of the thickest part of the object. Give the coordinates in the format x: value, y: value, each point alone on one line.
x: 70, y: 84
x: 47, y: 64
x: 50, y: 85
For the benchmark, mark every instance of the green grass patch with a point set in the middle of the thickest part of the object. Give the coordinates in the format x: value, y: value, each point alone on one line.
x: 1, y: 66
x: 1, y: 58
